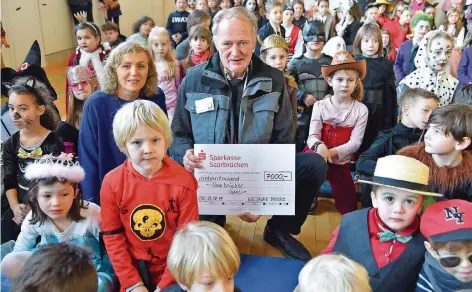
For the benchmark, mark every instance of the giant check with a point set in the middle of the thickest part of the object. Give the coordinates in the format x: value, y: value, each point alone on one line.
x: 238, y: 178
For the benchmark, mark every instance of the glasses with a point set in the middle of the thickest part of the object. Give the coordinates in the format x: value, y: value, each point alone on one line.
x: 454, y: 261
x: 75, y: 86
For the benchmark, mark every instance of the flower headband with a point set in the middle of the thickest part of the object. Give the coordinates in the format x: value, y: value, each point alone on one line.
x: 80, y: 73
x: 62, y: 167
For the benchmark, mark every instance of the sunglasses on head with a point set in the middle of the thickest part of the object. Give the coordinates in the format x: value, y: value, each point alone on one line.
x: 75, y: 86
x: 454, y: 260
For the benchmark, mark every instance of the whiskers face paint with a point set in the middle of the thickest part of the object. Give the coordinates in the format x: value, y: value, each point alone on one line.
x: 28, y: 121
x: 21, y: 122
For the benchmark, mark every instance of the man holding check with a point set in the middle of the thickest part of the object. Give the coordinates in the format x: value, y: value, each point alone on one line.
x: 235, y: 98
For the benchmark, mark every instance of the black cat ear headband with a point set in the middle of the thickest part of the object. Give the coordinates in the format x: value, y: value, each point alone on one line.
x: 30, y: 86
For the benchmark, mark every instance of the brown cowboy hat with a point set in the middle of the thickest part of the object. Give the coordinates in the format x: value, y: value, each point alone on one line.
x: 344, y: 60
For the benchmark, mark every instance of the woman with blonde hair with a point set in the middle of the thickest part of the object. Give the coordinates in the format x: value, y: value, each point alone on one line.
x: 129, y: 74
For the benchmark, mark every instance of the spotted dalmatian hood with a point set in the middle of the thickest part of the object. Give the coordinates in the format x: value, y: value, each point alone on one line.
x: 440, y: 83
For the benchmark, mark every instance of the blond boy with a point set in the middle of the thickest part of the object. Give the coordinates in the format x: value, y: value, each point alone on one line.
x: 145, y: 200
x: 203, y: 257
x: 333, y: 273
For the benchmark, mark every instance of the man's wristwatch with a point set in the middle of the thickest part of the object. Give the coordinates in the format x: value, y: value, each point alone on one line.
x: 315, y: 146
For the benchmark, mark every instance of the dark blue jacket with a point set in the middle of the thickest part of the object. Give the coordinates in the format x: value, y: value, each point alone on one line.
x: 388, y: 142
x: 177, y: 23
x: 402, y: 62
x: 265, y: 31
x: 464, y: 71
x: 98, y: 151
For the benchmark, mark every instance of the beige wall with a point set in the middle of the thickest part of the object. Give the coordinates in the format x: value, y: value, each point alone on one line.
x: 49, y: 22
x: 133, y: 9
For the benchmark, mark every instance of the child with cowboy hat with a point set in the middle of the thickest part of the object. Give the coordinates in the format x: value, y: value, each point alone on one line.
x: 386, y: 239
x: 338, y: 124
x: 448, y: 261
x: 274, y: 52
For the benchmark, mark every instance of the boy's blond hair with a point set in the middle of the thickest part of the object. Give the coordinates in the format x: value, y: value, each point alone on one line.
x: 333, y: 273
x: 139, y: 113
x: 411, y: 95
x: 202, y: 246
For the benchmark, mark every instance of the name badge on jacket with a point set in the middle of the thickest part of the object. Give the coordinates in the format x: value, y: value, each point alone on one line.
x: 204, y: 105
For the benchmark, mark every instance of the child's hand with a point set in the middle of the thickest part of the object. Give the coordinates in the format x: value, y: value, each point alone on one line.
x: 250, y: 218
x: 309, y: 100
x: 332, y: 153
x: 179, y: 38
x: 174, y: 37
x: 140, y: 289
x: 20, y: 211
x: 324, y: 152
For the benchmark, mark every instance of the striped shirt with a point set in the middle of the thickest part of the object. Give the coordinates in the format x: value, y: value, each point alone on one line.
x: 423, y: 283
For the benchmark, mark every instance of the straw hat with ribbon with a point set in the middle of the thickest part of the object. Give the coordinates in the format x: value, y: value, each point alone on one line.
x: 402, y: 173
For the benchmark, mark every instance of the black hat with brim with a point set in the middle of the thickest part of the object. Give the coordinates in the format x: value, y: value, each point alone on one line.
x: 30, y: 67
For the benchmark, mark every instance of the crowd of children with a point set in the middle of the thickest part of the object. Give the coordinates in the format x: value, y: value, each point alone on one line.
x: 374, y: 89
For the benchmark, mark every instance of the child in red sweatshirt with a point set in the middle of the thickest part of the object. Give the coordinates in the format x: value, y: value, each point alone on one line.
x: 145, y: 200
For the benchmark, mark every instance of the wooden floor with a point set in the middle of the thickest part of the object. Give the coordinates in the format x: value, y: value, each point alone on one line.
x: 316, y: 232
x: 315, y: 235
x: 57, y: 76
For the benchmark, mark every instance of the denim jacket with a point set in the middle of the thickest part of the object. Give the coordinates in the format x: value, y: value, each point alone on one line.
x: 265, y: 112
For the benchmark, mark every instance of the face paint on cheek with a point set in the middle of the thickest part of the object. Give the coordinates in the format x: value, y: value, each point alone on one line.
x: 28, y: 121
